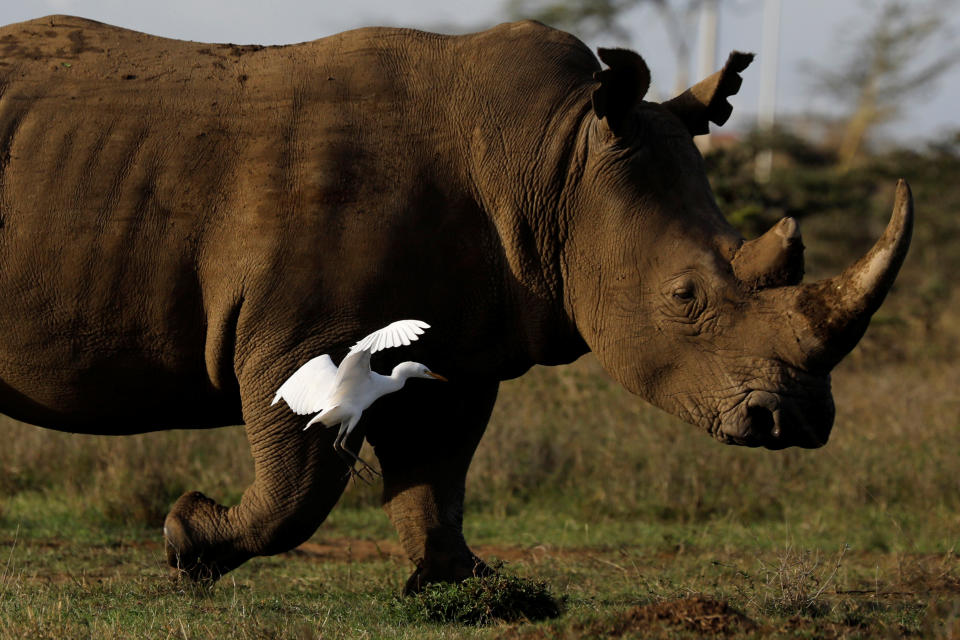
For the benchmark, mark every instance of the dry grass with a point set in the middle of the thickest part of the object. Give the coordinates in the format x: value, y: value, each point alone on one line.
x: 570, y: 433
x: 570, y: 439
x: 122, y: 481
x: 797, y: 583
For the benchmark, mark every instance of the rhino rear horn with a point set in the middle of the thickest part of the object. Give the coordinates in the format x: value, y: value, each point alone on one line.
x: 706, y: 101
x: 775, y: 259
x: 622, y: 86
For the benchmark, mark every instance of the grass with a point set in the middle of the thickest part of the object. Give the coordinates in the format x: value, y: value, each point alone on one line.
x: 481, y: 601
x: 640, y: 525
x: 69, y: 589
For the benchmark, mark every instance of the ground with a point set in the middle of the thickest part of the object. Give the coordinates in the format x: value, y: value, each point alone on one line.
x: 116, y: 584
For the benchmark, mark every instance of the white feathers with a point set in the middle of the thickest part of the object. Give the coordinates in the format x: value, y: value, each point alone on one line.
x: 314, y: 386
x: 395, y: 334
x: 339, y: 395
x: 307, y: 390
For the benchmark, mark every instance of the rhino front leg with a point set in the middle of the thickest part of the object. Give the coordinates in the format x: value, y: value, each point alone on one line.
x: 425, y: 438
x: 299, y: 478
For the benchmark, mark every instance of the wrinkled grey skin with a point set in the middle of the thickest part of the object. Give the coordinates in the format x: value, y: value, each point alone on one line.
x: 183, y: 225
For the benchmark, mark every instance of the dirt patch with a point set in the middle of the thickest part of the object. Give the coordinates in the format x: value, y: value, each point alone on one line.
x: 353, y: 550
x: 349, y: 550
x: 699, y: 616
x: 702, y: 615
x: 823, y: 629
x: 928, y: 573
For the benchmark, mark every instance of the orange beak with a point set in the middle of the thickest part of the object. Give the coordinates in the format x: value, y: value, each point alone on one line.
x: 436, y: 375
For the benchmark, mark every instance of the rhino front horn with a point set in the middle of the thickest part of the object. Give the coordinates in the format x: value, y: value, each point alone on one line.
x: 839, y: 308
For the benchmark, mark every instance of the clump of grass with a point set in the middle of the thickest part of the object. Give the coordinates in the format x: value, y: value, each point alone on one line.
x: 797, y: 583
x: 480, y: 601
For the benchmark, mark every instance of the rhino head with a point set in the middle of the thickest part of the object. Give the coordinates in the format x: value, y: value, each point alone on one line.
x: 680, y: 309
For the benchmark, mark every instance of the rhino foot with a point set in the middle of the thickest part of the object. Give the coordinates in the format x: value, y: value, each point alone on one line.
x: 450, y: 569
x: 190, y: 549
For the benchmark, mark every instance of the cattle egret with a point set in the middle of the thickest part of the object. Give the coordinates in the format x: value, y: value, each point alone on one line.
x: 339, y: 395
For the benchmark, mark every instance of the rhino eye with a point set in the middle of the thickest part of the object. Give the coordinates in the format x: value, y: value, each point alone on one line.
x: 684, y: 298
x: 684, y: 292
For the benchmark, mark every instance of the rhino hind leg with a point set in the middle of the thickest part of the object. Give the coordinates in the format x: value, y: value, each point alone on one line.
x: 425, y: 438
x: 299, y: 478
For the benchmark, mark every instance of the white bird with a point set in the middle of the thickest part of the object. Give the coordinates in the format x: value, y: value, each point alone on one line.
x: 339, y: 395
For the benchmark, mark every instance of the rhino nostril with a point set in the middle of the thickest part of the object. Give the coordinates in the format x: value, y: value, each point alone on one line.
x: 763, y: 413
x: 761, y: 421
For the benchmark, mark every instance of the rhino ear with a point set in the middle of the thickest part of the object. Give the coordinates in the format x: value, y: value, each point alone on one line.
x: 706, y: 101
x: 622, y: 86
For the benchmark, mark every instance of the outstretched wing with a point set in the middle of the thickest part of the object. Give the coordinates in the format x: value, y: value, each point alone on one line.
x: 395, y: 334
x: 308, y: 389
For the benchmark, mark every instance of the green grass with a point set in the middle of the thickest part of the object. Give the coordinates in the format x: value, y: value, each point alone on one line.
x: 63, y: 588
x: 481, y: 601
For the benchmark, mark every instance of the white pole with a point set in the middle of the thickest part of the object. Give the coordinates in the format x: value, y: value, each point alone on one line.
x: 707, y: 38
x: 707, y: 53
x: 769, y: 63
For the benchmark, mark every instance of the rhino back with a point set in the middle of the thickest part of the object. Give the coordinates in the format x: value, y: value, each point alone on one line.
x: 170, y: 207
x: 108, y: 183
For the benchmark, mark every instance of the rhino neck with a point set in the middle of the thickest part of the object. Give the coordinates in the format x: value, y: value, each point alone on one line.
x: 523, y: 189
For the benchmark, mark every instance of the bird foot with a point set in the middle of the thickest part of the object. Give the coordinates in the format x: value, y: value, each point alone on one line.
x: 360, y: 475
x: 352, y: 460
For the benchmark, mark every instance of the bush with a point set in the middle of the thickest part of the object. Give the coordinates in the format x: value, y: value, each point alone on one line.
x: 480, y: 601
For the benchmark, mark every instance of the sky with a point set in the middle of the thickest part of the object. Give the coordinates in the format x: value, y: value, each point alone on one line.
x: 811, y: 31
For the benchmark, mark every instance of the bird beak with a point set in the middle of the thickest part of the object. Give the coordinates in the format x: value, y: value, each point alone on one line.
x: 436, y: 375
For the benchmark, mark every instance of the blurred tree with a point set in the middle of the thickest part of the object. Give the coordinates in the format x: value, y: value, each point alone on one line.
x: 591, y: 18
x: 881, y: 72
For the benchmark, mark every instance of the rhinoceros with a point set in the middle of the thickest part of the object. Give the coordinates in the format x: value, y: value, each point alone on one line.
x: 185, y: 224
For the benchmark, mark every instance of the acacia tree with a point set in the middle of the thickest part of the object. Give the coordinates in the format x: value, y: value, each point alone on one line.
x: 881, y: 70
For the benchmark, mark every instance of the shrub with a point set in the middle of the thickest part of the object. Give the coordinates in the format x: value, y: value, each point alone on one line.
x: 481, y: 600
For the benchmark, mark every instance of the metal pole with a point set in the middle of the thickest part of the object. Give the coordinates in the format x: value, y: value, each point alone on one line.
x: 769, y: 63
x: 707, y: 53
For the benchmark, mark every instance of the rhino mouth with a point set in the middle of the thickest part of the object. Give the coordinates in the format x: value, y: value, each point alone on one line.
x: 777, y: 421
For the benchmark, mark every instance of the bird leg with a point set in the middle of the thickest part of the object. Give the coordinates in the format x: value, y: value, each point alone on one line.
x: 338, y: 448
x: 351, y: 458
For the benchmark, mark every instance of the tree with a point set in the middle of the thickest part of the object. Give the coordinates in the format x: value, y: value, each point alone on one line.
x: 881, y: 70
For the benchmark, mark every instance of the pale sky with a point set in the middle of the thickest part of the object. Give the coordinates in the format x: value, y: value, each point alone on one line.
x: 809, y: 31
